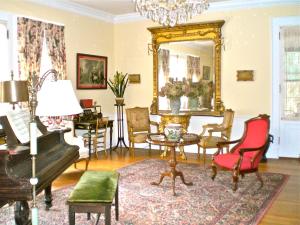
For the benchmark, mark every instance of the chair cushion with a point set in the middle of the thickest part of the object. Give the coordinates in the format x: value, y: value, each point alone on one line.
x: 140, y: 137
x: 228, y: 161
x: 210, y: 142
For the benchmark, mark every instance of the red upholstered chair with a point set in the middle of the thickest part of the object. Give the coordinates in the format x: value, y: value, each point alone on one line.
x: 245, y: 156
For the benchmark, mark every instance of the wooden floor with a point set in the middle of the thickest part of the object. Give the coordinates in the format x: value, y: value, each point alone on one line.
x: 284, y: 211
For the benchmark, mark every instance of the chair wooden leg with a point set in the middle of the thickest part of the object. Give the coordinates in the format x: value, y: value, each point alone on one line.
x: 198, y: 155
x: 204, y: 156
x: 75, y: 166
x: 214, y: 170
x: 235, y: 179
x: 87, y: 161
x: 260, y: 179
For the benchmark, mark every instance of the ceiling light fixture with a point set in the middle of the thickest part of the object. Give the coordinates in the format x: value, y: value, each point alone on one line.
x: 170, y: 12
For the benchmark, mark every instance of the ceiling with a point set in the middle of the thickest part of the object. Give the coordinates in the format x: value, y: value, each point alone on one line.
x: 114, y: 7
x: 117, y: 11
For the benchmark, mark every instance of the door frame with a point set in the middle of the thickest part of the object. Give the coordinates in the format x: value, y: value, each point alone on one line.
x: 275, y: 125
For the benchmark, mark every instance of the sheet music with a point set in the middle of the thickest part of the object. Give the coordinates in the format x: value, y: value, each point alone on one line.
x: 19, y: 121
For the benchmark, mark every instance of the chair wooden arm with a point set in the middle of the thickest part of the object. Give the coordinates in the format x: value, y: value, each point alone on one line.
x: 243, y: 150
x: 224, y: 143
x: 210, y: 126
x: 216, y: 129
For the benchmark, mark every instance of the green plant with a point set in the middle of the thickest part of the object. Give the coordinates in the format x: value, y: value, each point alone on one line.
x: 118, y: 84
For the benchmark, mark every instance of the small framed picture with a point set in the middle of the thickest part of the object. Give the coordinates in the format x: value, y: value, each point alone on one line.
x: 134, y: 78
x: 91, y: 71
x: 245, y: 75
x: 206, y: 73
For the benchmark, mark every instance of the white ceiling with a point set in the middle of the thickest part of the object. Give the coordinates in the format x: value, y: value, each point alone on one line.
x: 118, y: 11
x: 114, y: 7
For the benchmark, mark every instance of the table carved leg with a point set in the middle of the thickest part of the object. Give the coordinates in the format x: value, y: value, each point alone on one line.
x: 173, y: 173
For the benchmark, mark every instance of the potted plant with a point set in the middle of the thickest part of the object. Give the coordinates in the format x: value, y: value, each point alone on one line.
x: 118, y: 85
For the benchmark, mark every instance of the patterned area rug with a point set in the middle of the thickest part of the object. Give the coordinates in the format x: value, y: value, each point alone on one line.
x: 205, y: 202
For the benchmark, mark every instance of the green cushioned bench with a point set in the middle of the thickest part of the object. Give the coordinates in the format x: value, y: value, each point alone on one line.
x: 94, y: 193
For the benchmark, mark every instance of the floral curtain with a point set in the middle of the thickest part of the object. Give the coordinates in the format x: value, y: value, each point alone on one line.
x: 30, y: 43
x: 55, y: 39
x: 164, y: 59
x: 193, y: 67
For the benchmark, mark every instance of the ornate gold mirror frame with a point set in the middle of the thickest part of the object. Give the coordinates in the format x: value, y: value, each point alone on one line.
x: 210, y: 31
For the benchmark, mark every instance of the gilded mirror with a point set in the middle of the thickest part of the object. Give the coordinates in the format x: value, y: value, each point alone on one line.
x: 187, y: 69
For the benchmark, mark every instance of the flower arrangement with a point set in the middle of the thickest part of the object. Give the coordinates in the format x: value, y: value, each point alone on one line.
x: 173, y: 89
x: 118, y: 84
x: 194, y: 89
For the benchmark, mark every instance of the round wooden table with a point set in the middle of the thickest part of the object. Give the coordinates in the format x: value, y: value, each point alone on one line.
x: 161, y: 140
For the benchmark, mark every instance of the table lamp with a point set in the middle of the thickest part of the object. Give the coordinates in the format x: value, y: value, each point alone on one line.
x: 57, y: 99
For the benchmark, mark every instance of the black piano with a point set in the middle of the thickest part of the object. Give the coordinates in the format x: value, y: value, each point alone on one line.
x: 53, y: 158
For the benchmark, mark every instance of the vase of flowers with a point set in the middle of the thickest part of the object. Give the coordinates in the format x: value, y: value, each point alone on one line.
x: 173, y: 90
x: 118, y: 85
x: 193, y: 90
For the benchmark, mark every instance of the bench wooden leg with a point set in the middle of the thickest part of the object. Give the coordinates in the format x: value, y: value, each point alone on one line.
x: 107, y: 214
x: 71, y: 216
x: 117, y: 203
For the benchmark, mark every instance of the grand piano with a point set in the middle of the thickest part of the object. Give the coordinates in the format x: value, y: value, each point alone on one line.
x: 54, y: 157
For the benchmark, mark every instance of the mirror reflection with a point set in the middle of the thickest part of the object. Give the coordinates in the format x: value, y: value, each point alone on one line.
x: 186, y: 76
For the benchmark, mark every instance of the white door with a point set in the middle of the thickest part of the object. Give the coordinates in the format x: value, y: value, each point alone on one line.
x: 286, y: 104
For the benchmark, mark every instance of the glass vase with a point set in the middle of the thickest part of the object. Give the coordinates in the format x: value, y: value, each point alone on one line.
x: 175, y: 105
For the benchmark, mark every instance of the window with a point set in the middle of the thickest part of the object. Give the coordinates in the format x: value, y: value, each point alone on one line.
x: 291, y: 94
x: 4, y: 54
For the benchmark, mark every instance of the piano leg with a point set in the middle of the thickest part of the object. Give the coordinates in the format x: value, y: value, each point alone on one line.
x: 48, y: 197
x: 22, y: 213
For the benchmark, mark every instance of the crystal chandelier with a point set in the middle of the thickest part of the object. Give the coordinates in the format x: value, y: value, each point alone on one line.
x: 170, y: 12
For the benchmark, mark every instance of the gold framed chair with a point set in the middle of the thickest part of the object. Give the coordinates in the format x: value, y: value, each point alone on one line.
x: 138, y: 126
x: 224, y: 130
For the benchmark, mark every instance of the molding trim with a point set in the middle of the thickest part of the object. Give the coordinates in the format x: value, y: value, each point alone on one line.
x: 76, y: 8
x: 104, y: 16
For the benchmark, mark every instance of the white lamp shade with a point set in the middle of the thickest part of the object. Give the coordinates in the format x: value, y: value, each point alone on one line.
x: 57, y: 98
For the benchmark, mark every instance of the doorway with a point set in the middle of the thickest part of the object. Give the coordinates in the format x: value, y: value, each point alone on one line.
x: 286, y: 87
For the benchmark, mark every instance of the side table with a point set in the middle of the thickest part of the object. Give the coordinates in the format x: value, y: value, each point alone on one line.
x: 182, y: 118
x: 161, y: 140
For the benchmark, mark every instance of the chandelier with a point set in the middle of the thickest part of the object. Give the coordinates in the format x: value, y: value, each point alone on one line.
x: 170, y: 12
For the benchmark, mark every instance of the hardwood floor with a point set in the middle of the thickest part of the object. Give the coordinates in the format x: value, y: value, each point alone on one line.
x: 285, y: 210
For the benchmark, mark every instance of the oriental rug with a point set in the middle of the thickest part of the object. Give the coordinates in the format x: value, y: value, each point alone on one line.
x: 205, y: 202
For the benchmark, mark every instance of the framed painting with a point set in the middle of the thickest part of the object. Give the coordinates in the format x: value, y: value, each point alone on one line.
x: 91, y: 71
x: 206, y: 73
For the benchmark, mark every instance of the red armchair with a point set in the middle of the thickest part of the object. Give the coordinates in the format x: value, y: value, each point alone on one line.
x: 245, y: 156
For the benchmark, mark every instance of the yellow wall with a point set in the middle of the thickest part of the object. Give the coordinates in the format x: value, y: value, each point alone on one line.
x: 247, y: 36
x: 82, y: 35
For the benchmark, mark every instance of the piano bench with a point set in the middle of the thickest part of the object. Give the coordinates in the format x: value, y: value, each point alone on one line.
x: 94, y: 193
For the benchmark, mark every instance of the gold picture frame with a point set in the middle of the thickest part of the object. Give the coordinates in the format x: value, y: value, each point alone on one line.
x: 245, y: 75
x: 209, y: 31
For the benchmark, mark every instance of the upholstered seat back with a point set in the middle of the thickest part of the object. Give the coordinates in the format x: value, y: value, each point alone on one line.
x: 227, y: 123
x: 138, y: 119
x: 255, y: 136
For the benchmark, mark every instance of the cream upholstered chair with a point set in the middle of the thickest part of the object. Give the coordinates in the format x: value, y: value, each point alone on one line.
x: 138, y: 125
x: 224, y: 130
